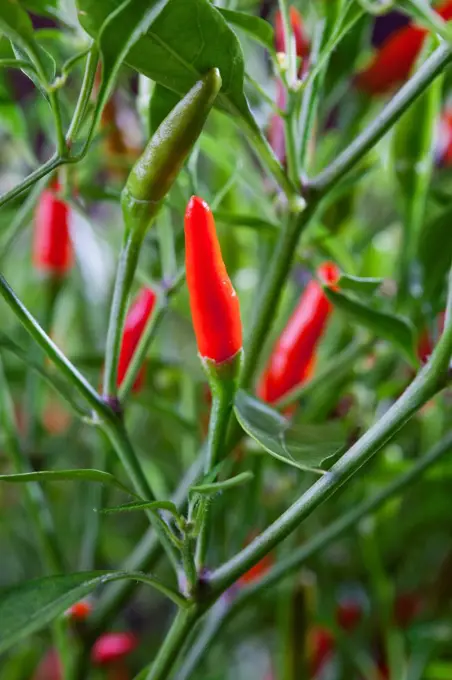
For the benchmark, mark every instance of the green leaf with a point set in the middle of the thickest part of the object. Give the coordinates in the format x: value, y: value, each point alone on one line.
x: 218, y: 487
x: 394, y: 328
x: 140, y: 505
x: 359, y: 285
x: 303, y: 446
x: 258, y: 28
x: 245, y: 221
x: 435, y: 261
x: 16, y: 24
x: 30, y: 606
x: 83, y: 475
x: 178, y: 46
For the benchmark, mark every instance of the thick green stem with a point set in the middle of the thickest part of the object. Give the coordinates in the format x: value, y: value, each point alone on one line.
x: 432, y: 67
x: 177, y: 635
x: 222, y: 613
x: 128, y: 261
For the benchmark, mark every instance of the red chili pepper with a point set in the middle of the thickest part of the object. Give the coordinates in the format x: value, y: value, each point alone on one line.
x: 395, y: 58
x: 214, y: 303
x: 112, y: 647
x: 259, y: 569
x: 443, y: 146
x: 320, y: 648
x: 80, y: 610
x: 301, y: 42
x: 291, y: 361
x: 407, y: 607
x: 136, y: 320
x: 426, y: 343
x: 348, y: 615
x: 50, y: 667
x: 52, y: 246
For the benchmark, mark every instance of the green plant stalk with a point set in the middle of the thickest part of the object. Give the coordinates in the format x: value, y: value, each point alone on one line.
x: 121, y: 443
x: 144, y: 558
x: 127, y: 265
x: 289, y: 42
x: 220, y: 615
x: 290, y: 139
x: 84, y: 95
x: 178, y: 633
x: 64, y: 366
x: 223, y: 390
x: 407, y: 94
x: 149, y: 333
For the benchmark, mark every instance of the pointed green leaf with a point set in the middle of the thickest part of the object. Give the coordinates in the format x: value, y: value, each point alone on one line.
x: 358, y: 284
x: 217, y: 487
x: 257, y: 28
x: 179, y: 45
x: 30, y: 606
x: 394, y: 328
x: 303, y: 446
x: 67, y: 476
x: 139, y: 505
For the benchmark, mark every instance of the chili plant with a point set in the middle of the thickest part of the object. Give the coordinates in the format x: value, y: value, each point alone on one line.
x: 225, y: 353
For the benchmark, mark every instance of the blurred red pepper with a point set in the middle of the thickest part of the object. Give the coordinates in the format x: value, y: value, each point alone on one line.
x: 214, y: 303
x: 276, y: 135
x: 407, y: 607
x: 348, y: 615
x: 301, y: 42
x: 293, y: 355
x: 395, y: 59
x: 50, y: 667
x: 52, y: 246
x: 320, y: 648
x: 443, y: 146
x: 136, y: 320
x: 426, y: 343
x: 80, y: 610
x: 260, y: 569
x: 112, y: 647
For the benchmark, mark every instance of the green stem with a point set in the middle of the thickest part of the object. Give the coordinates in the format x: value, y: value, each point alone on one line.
x: 431, y: 379
x: 121, y: 443
x: 84, y: 95
x: 218, y: 424
x: 289, y: 42
x: 272, y: 288
x: 219, y: 617
x: 53, y: 352
x: 45, y: 169
x: 128, y: 261
x: 144, y: 558
x: 178, y: 633
x: 431, y: 68
x: 290, y: 139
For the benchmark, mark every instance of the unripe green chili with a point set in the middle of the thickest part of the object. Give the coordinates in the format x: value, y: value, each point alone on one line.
x: 155, y: 171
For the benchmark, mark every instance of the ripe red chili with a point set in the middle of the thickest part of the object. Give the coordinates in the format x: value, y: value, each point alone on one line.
x: 443, y: 145
x: 80, y: 611
x: 395, y: 58
x: 320, y: 648
x: 52, y: 246
x: 214, y: 303
x: 301, y: 42
x: 112, y: 647
x: 348, y: 615
x: 293, y: 355
x: 136, y: 320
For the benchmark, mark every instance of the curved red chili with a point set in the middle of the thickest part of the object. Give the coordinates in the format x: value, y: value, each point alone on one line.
x: 214, y: 303
x: 301, y: 42
x: 396, y: 57
x: 136, y: 320
x: 112, y: 647
x: 52, y: 246
x: 293, y: 355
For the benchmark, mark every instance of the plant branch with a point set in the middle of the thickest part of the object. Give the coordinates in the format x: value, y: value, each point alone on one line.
x: 431, y: 68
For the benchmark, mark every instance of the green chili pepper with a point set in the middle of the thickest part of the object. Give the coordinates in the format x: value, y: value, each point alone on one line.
x: 157, y: 168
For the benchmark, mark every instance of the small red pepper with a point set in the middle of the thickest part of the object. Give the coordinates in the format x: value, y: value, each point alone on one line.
x: 293, y: 355
x: 136, y: 320
x: 407, y: 607
x: 80, y: 610
x: 214, y: 303
x: 112, y: 647
x: 301, y: 42
x: 396, y: 57
x: 443, y: 146
x: 348, y: 615
x: 52, y: 246
x: 50, y: 667
x: 260, y: 569
x: 320, y: 648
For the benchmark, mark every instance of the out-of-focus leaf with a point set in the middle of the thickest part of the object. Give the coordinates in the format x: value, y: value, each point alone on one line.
x: 302, y: 446
x: 30, y: 606
x: 435, y: 254
x: 139, y: 505
x: 218, y: 487
x: 67, y: 476
x: 245, y: 221
x: 359, y: 285
x: 174, y: 48
x: 391, y: 327
x: 256, y: 27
